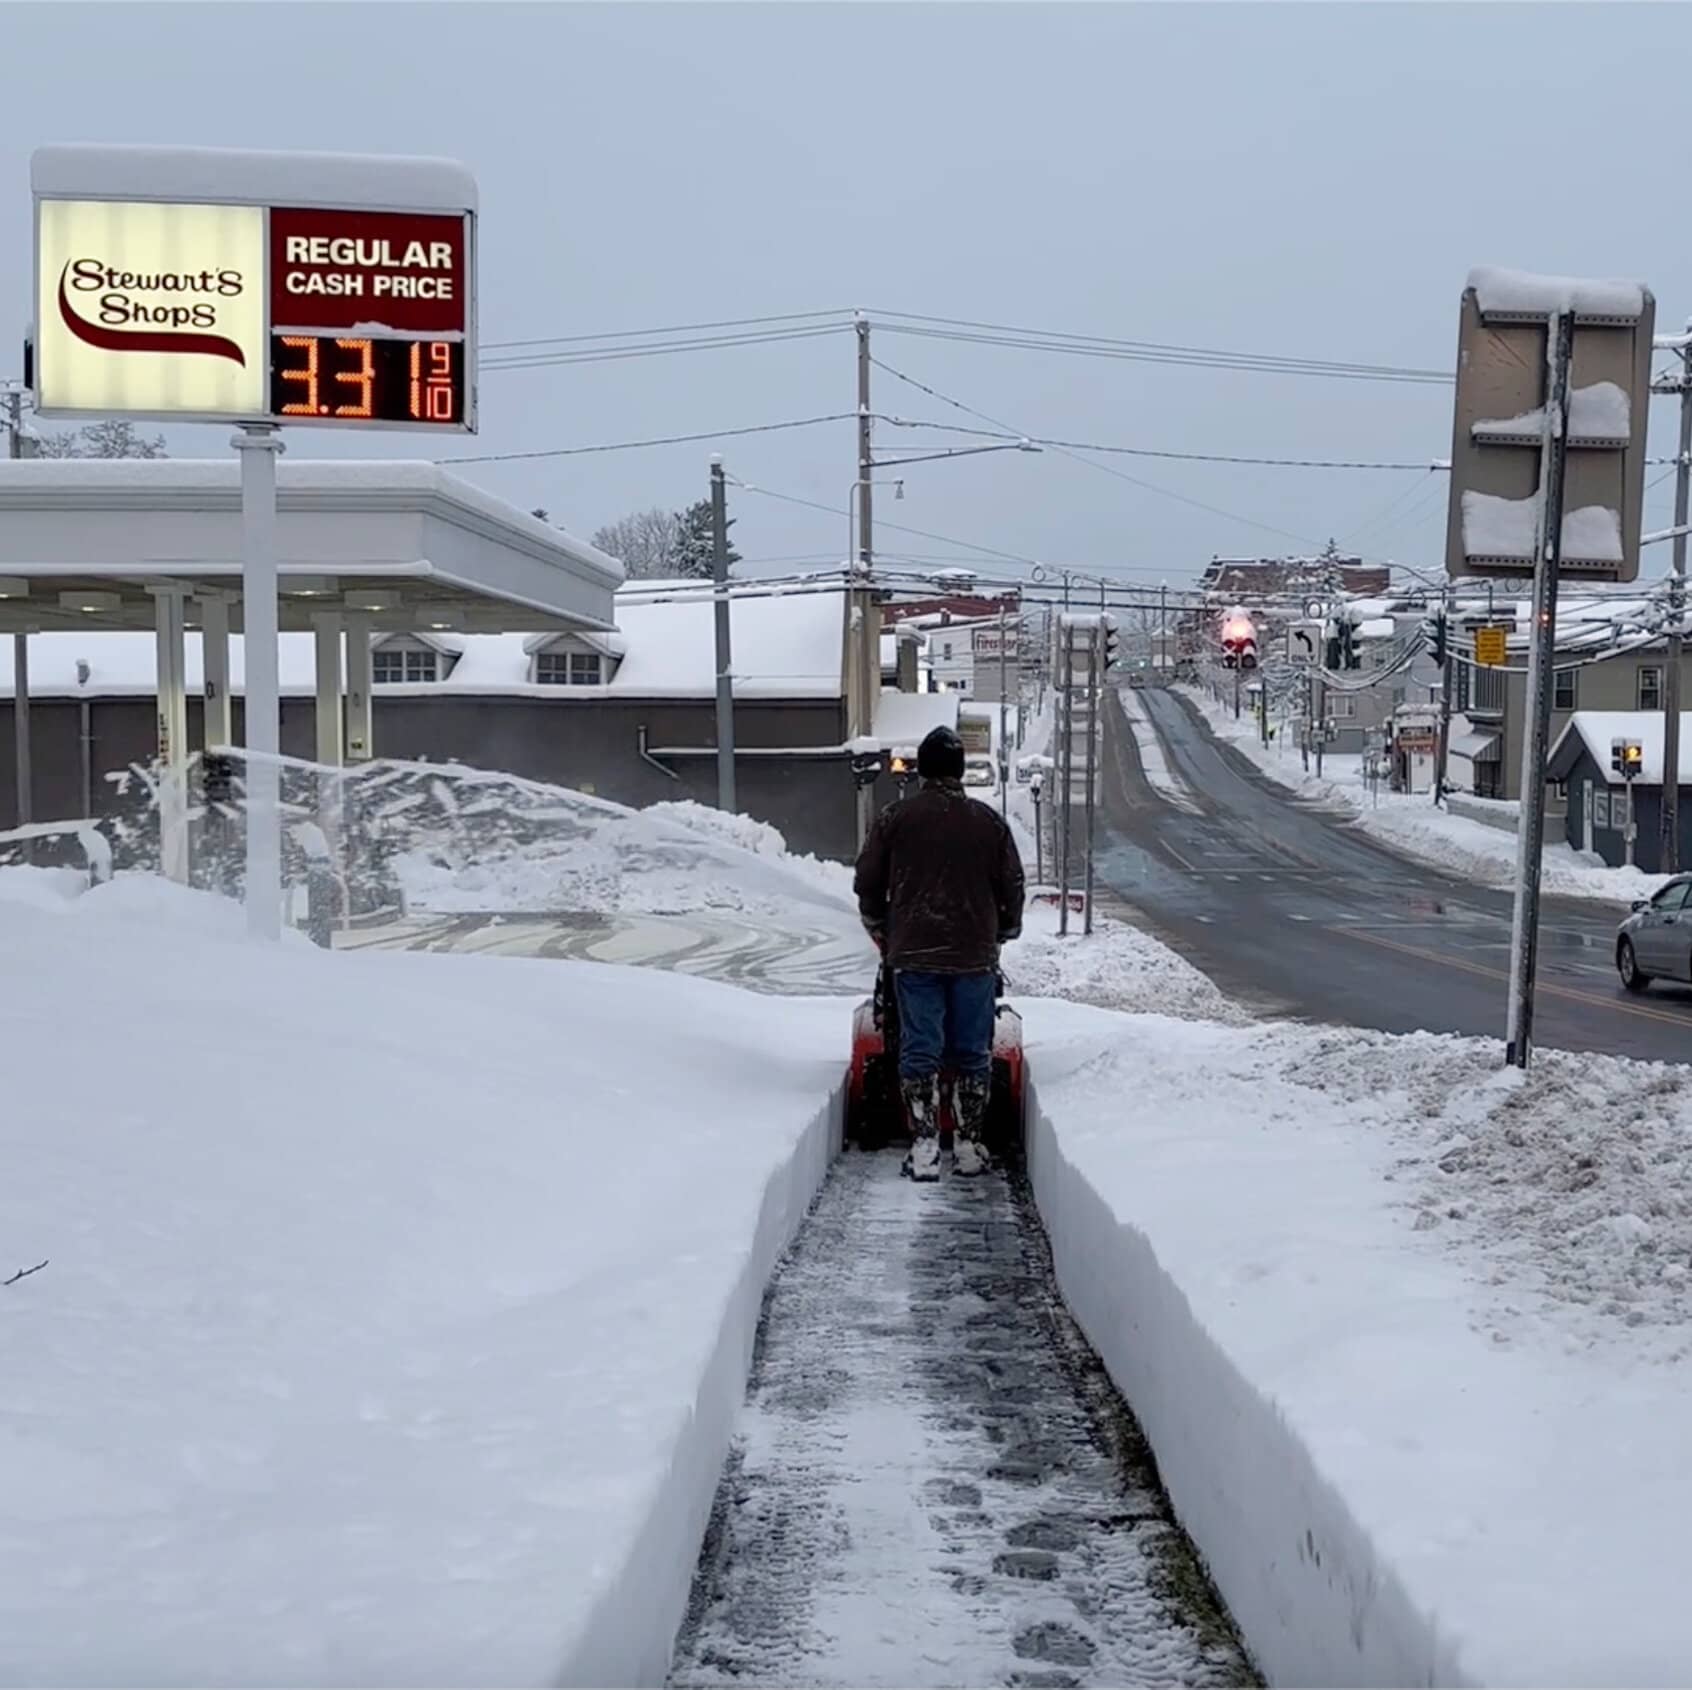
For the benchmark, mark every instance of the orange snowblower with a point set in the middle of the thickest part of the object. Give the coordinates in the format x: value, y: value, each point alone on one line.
x: 875, y: 1112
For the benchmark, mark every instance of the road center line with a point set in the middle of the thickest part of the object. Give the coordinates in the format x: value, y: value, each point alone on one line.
x: 1568, y: 992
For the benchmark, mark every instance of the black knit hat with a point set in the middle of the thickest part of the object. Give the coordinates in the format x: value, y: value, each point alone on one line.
x: 941, y: 756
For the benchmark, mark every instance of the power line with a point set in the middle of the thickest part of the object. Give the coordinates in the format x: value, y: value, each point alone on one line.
x: 669, y: 329
x: 896, y: 527
x: 710, y: 343
x: 1107, y: 469
x: 1105, y: 346
x: 659, y: 440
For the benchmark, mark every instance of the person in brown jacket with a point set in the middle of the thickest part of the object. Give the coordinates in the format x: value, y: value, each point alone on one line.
x: 940, y: 888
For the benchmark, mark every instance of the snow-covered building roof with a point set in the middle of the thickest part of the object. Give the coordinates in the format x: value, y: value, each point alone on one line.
x: 782, y: 648
x: 905, y: 718
x: 1593, y: 730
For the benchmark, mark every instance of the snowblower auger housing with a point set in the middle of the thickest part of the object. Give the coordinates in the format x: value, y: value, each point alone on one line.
x: 875, y: 1113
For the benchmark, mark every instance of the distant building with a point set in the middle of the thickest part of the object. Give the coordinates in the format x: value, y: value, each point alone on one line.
x: 1234, y: 578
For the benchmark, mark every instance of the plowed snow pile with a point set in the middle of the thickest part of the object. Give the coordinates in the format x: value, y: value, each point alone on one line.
x: 394, y: 1307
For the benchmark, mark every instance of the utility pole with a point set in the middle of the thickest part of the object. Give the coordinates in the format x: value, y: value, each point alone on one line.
x: 1669, y: 810
x: 1004, y: 750
x: 1524, y: 928
x: 867, y: 631
x: 725, y: 665
x: 1095, y: 677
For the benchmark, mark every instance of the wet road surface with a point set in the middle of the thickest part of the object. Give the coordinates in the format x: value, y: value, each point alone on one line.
x: 761, y: 954
x: 1295, y: 913
x: 933, y: 1481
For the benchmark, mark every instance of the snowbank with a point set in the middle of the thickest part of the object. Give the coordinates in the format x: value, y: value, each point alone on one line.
x: 465, y: 840
x: 1468, y: 849
x: 1115, y: 967
x: 396, y: 1307
x: 1159, y: 776
x: 1410, y: 1337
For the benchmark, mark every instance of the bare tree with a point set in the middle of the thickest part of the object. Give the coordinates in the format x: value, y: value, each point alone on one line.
x: 115, y: 437
x: 649, y: 543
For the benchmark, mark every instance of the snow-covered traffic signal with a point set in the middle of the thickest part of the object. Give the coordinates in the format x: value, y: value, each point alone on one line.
x: 1239, y: 641
x: 1627, y: 758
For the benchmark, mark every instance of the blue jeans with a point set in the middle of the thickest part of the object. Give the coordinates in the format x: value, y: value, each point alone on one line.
x: 945, y: 1021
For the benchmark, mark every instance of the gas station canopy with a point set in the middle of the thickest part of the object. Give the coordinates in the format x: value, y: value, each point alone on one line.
x: 407, y: 545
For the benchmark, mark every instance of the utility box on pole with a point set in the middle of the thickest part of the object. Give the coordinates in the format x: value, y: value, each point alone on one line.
x: 1497, y: 436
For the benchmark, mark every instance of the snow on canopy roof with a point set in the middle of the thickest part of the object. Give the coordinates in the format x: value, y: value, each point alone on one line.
x: 906, y: 718
x: 226, y: 175
x: 1592, y: 730
x: 301, y: 483
x: 1500, y: 292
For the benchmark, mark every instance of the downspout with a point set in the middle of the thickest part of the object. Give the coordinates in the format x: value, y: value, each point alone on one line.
x: 646, y: 756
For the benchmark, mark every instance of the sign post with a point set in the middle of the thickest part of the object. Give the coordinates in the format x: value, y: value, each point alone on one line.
x: 1546, y: 476
x: 182, y: 284
x: 1524, y: 921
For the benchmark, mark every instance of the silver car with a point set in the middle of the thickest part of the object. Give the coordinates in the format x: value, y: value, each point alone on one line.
x: 1655, y: 942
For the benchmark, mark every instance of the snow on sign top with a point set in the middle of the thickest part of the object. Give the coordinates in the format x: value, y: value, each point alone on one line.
x: 230, y: 175
x: 1501, y: 293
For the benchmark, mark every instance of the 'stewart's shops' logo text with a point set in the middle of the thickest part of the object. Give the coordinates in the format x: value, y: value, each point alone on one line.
x: 148, y: 311
x: 150, y: 308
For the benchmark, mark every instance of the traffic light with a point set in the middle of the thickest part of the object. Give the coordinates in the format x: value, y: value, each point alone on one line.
x: 1627, y: 758
x: 1350, y: 656
x: 1111, y: 640
x: 1239, y: 641
x: 1436, y: 631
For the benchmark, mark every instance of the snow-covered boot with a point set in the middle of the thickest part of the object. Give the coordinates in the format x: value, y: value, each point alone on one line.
x: 922, y: 1108
x: 971, y: 1093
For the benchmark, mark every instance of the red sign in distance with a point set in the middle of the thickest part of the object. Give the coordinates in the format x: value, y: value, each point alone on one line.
x: 403, y: 271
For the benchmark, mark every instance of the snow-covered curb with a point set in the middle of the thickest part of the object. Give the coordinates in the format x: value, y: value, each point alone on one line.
x: 630, y: 1634
x: 1300, y: 1577
x: 1411, y: 824
x: 1411, y: 1337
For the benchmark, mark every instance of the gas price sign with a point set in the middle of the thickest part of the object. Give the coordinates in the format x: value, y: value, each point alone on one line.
x: 315, y: 315
x: 345, y: 378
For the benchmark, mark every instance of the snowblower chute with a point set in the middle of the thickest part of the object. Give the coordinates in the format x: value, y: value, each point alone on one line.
x: 875, y: 1113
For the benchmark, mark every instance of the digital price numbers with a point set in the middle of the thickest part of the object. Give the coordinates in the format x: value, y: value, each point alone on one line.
x: 355, y: 378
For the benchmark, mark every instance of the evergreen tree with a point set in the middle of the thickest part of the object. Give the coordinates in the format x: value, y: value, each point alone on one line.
x: 694, y: 552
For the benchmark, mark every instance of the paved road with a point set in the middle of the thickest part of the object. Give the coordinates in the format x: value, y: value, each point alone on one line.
x: 1288, y: 908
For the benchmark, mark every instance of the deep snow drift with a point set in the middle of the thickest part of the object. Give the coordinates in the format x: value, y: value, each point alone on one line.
x: 395, y: 1307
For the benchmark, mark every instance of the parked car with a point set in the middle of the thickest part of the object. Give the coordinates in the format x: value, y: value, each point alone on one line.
x: 978, y: 771
x: 1655, y: 942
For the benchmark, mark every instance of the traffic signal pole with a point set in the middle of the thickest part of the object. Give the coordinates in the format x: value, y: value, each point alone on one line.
x: 1530, y: 837
x: 1448, y: 678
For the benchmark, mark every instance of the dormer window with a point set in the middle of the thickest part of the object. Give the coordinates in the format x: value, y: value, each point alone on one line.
x: 568, y: 668
x: 403, y: 664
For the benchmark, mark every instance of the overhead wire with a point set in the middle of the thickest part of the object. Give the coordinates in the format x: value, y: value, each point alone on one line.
x: 656, y: 440
x: 668, y: 329
x: 1107, y: 469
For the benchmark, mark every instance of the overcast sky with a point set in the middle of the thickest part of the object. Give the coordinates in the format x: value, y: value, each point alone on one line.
x: 1304, y: 180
